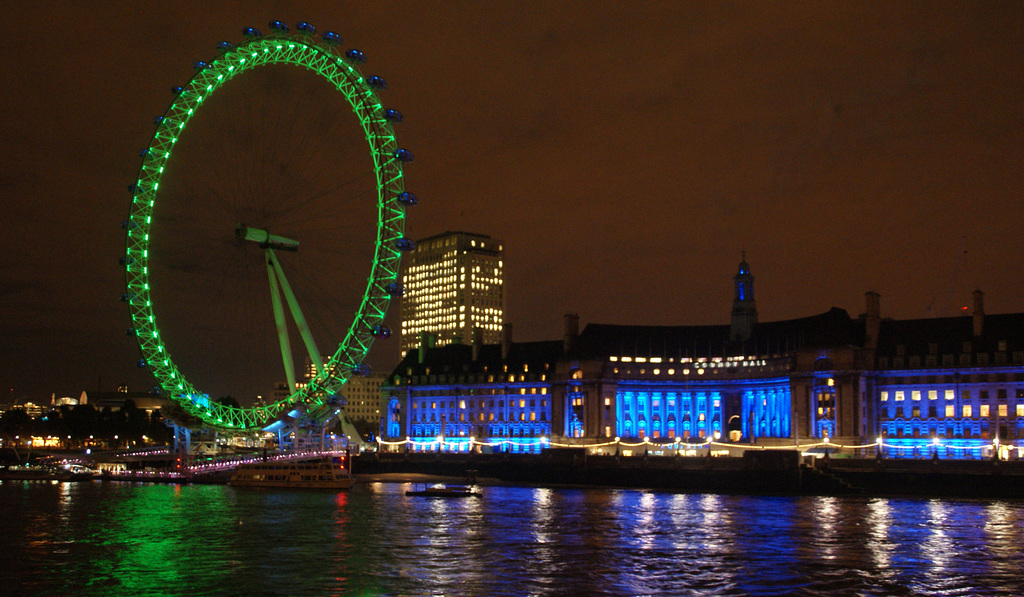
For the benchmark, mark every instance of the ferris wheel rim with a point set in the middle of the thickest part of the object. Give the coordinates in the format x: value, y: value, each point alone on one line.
x: 323, y: 58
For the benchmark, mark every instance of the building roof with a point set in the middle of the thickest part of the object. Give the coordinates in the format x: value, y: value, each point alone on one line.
x: 949, y: 333
x: 832, y: 328
x: 457, y: 358
x: 598, y: 341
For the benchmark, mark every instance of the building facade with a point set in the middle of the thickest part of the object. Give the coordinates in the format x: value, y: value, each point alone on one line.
x: 454, y: 288
x: 941, y: 387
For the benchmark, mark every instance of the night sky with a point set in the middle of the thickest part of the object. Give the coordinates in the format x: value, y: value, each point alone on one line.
x: 625, y: 152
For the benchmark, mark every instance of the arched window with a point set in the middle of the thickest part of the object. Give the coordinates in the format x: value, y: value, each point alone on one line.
x: 394, y: 423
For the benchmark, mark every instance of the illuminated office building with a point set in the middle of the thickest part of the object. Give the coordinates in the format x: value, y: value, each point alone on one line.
x: 454, y: 283
x: 941, y: 387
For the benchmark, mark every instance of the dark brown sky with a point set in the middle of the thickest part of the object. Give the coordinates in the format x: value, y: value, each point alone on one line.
x: 625, y: 151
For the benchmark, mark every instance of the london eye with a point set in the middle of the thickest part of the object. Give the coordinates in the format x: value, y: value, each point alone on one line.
x: 265, y: 229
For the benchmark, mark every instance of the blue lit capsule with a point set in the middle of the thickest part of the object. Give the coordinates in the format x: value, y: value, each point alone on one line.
x: 141, y: 363
x: 199, y: 65
x: 380, y: 331
x: 331, y: 37
x: 377, y: 82
x: 406, y: 198
x: 403, y: 155
x: 356, y: 55
x: 278, y: 25
x: 251, y: 32
x: 225, y: 45
x: 404, y: 244
x: 393, y: 115
x: 177, y: 90
x: 157, y: 120
x: 304, y: 26
x: 394, y: 289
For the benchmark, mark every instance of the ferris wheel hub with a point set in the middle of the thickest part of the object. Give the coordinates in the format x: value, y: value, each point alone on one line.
x: 265, y: 238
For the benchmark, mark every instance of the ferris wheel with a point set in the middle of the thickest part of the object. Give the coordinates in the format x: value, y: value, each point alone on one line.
x: 261, y: 228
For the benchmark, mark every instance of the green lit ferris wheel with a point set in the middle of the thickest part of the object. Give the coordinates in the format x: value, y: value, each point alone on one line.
x: 261, y: 230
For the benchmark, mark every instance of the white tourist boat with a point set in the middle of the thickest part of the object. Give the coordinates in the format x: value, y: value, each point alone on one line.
x: 321, y: 472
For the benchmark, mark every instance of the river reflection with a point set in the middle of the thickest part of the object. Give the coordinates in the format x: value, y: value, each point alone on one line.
x: 137, y: 539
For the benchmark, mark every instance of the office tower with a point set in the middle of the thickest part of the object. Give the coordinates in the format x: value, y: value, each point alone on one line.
x: 454, y: 283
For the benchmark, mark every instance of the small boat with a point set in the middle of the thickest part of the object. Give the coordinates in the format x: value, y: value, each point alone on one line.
x: 446, y: 491
x: 321, y: 472
x: 34, y: 473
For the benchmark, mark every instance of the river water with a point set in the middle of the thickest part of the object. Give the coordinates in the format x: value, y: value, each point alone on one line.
x: 109, y: 538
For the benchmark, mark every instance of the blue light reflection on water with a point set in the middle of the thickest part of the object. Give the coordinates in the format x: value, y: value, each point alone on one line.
x: 105, y: 538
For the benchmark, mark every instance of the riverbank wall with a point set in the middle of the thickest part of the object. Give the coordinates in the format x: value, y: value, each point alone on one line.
x: 770, y: 472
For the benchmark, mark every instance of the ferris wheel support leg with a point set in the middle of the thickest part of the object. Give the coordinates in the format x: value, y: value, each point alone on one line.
x: 307, y: 337
x: 282, y: 328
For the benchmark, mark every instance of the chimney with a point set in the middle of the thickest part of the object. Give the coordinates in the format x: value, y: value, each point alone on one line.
x: 426, y: 341
x: 506, y: 340
x: 572, y: 332
x: 979, y: 312
x: 873, y: 319
x: 478, y: 340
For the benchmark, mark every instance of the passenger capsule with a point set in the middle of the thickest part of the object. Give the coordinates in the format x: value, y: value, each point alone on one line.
x: 251, y: 32
x: 356, y: 55
x: 304, y: 26
x: 377, y: 82
x: 406, y: 198
x: 380, y: 331
x: 403, y: 155
x: 331, y: 37
x: 199, y: 65
x: 394, y: 289
x: 225, y: 45
x: 404, y: 244
x: 393, y: 115
x: 278, y: 25
x: 177, y: 90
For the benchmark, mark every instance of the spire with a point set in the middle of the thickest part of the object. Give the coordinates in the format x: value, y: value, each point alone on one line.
x: 744, y: 309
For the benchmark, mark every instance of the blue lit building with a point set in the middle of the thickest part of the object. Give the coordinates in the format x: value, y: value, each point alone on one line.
x: 952, y: 387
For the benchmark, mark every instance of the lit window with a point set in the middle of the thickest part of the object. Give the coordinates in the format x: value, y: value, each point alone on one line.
x: 950, y: 410
x: 915, y: 395
x: 899, y: 395
x: 950, y: 395
x: 967, y: 411
x: 984, y: 411
x: 884, y: 396
x: 1020, y: 410
x: 1003, y: 411
x: 933, y: 394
